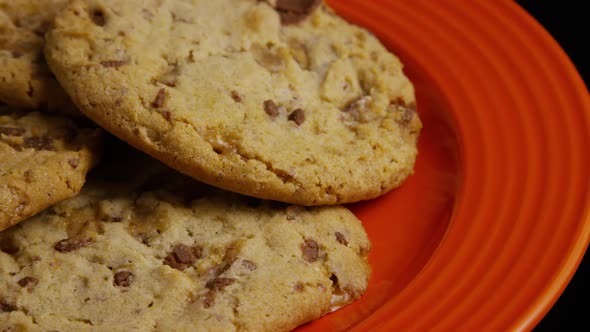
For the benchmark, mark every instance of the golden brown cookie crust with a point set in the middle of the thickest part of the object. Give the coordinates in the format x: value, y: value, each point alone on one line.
x: 315, y: 112
x: 44, y: 159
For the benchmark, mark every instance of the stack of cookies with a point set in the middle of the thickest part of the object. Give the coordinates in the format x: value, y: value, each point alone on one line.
x: 181, y: 164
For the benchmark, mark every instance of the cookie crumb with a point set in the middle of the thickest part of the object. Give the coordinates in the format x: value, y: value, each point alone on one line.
x: 219, y: 283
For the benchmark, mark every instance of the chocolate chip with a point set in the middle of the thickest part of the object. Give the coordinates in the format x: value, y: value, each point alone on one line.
x: 9, y: 247
x: 341, y: 238
x: 183, y: 256
x: 9, y: 131
x: 219, y: 283
x: 310, y: 250
x: 209, y: 299
x: 28, y: 283
x: 169, y: 82
x: 236, y: 96
x: 299, y: 286
x: 297, y: 116
x: 114, y: 63
x: 98, y: 17
x: 39, y: 143
x: 160, y: 98
x: 271, y: 108
x: 74, y: 163
x: 295, y: 11
x: 123, y: 278
x: 72, y: 244
x: 249, y: 265
x: 334, y: 279
x: 167, y: 115
x: 6, y: 307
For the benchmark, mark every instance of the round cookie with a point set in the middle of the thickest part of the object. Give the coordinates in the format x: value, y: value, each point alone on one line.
x: 153, y: 258
x: 268, y: 99
x: 25, y: 79
x: 43, y: 160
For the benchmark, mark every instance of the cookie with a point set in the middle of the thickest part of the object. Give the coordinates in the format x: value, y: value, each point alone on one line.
x: 173, y: 255
x: 43, y: 159
x: 289, y: 103
x: 25, y: 80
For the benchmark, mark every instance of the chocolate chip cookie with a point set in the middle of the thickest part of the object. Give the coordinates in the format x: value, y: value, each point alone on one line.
x: 25, y: 79
x: 281, y: 100
x: 170, y: 254
x: 43, y: 160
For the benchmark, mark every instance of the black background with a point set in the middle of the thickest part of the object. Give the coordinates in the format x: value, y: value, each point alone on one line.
x: 565, y: 21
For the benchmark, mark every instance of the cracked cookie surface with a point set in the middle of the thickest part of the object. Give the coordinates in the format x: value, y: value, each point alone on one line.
x: 25, y: 79
x: 170, y: 254
x: 286, y: 102
x: 43, y: 159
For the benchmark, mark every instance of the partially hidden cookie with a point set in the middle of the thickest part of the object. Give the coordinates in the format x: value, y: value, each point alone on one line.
x: 25, y: 79
x: 280, y: 100
x: 155, y: 258
x: 43, y: 160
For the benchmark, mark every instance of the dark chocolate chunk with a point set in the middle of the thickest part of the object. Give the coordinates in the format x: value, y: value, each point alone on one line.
x: 271, y: 108
x: 28, y: 282
x: 236, y: 96
x: 183, y: 256
x: 310, y: 250
x: 123, y: 278
x: 6, y: 307
x: 160, y: 98
x: 72, y: 244
x: 219, y: 283
x: 98, y: 17
x: 297, y: 116
x: 295, y: 11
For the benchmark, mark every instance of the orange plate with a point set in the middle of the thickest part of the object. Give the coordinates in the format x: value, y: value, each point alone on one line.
x: 491, y: 227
